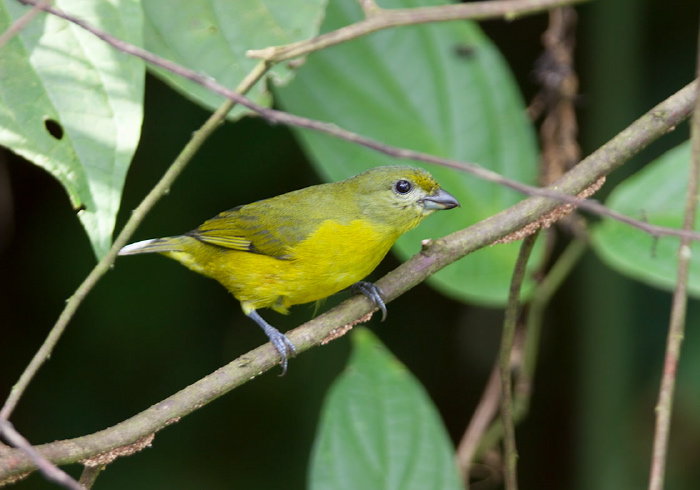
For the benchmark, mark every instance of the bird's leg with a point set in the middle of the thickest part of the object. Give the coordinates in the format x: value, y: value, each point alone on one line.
x: 279, y: 340
x: 373, y: 292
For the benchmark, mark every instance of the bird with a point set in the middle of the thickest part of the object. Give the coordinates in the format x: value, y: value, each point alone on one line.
x: 308, y: 244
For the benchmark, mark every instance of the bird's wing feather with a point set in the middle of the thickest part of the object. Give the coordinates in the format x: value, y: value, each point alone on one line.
x: 262, y: 227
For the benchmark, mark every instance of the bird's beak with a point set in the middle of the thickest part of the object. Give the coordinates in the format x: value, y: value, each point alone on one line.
x: 440, y: 200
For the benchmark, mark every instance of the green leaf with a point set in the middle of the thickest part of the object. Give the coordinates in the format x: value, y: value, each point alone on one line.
x: 379, y: 429
x: 73, y: 105
x: 212, y: 37
x: 655, y: 194
x: 442, y: 89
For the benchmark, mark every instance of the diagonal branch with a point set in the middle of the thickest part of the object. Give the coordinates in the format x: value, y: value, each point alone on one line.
x: 435, y: 255
x: 137, y: 216
x: 654, y: 121
x: 20, y: 23
x: 379, y: 19
x: 50, y: 471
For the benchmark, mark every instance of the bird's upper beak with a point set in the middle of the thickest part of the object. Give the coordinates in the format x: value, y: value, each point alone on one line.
x: 440, y: 200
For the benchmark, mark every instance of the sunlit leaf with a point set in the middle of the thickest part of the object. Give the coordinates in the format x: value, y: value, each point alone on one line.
x: 72, y: 104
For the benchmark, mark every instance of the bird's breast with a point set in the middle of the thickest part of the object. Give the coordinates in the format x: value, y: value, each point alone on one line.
x: 331, y: 258
x: 337, y: 255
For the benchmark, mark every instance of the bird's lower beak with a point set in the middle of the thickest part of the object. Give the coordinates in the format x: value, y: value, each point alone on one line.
x: 440, y: 200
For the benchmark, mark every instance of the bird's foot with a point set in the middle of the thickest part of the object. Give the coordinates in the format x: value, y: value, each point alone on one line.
x: 373, y: 292
x: 284, y: 346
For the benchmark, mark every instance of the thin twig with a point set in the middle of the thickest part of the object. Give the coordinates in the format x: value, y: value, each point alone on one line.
x: 137, y: 216
x: 510, y: 323
x: 89, y: 475
x: 388, y: 18
x: 278, y: 117
x: 541, y: 297
x: 369, y: 7
x: 20, y: 23
x: 481, y: 420
x: 50, y: 471
x: 676, y: 328
x: 560, y: 152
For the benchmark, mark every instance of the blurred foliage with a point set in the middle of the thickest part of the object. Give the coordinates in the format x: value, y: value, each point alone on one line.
x: 151, y: 327
x: 655, y: 194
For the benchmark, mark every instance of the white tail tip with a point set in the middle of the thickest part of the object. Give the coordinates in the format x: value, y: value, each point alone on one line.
x: 135, y: 248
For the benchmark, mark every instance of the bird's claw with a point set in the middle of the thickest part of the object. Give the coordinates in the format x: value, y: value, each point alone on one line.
x: 284, y: 346
x: 373, y: 293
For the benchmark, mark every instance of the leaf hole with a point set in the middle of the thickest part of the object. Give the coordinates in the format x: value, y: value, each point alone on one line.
x: 54, y: 128
x: 465, y: 51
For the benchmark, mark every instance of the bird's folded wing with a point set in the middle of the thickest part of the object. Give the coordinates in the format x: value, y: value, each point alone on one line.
x: 221, y: 239
x: 250, y: 232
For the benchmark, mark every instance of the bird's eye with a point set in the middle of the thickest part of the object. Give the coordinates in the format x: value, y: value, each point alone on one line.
x: 403, y: 186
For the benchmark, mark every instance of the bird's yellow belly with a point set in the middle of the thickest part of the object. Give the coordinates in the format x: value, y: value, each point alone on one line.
x: 334, y: 257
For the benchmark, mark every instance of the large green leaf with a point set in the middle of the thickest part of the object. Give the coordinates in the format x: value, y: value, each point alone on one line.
x: 655, y: 194
x: 212, y: 37
x: 379, y: 429
x: 442, y: 89
x: 73, y: 105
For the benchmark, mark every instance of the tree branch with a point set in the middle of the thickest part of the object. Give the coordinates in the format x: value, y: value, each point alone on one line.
x: 523, y: 384
x: 137, y: 216
x: 434, y: 256
x: 50, y: 471
x: 378, y: 19
x: 134, y: 433
x: 677, y: 113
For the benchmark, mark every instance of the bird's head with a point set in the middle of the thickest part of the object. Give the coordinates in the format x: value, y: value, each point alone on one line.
x: 400, y: 196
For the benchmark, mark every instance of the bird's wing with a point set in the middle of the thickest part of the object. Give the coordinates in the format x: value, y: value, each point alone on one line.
x: 257, y: 228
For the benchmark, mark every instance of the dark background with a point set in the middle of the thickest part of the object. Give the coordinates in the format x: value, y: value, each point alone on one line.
x: 151, y: 327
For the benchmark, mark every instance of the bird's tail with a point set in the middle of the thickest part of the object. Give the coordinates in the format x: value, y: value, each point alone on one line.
x: 156, y: 245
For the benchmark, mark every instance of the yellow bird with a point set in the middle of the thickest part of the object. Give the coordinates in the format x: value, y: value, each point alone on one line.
x: 308, y: 244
